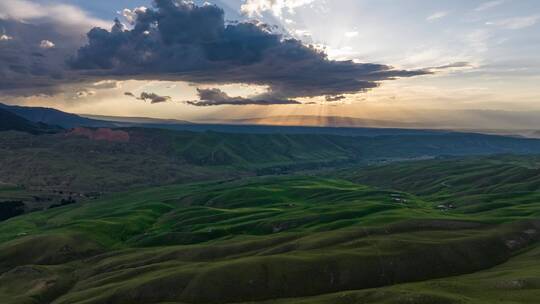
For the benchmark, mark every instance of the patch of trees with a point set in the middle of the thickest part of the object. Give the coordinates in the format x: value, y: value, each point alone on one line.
x: 9, y: 209
x: 287, y: 169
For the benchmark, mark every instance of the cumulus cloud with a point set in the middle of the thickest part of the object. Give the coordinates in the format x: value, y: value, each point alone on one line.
x: 178, y: 40
x: 216, y: 97
x: 277, y: 7
x: 131, y: 14
x: 152, y: 97
x: 46, y: 44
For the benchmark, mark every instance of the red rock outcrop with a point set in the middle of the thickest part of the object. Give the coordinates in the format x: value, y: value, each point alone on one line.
x: 101, y: 134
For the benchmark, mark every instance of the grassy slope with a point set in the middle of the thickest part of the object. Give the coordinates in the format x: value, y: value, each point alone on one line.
x: 491, y: 187
x: 261, y: 239
x: 516, y: 281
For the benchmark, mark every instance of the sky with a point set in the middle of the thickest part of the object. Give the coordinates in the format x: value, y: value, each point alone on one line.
x: 456, y: 64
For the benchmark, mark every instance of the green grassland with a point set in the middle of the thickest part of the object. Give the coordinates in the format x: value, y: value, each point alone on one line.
x: 291, y: 239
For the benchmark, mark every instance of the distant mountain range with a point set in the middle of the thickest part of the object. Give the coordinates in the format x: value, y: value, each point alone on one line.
x: 333, y: 125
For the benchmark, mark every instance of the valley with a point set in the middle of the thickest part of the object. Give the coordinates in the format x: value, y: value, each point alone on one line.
x: 150, y: 215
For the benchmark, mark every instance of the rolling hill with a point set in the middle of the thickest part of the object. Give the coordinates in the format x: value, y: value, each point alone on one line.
x: 256, y: 240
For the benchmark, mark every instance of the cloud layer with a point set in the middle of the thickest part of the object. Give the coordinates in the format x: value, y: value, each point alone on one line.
x: 28, y: 60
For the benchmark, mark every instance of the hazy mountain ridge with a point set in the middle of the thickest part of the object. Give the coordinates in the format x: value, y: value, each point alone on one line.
x: 54, y: 117
x: 68, y: 120
x: 12, y: 122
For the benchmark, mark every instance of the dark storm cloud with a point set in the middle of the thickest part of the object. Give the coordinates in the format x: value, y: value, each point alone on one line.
x: 180, y: 40
x: 216, y: 97
x: 177, y: 40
